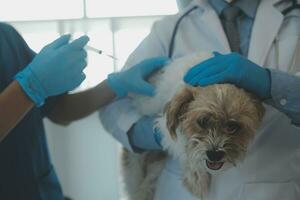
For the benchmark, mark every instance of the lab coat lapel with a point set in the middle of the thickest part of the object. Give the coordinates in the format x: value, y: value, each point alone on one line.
x: 214, y: 25
x: 265, y: 29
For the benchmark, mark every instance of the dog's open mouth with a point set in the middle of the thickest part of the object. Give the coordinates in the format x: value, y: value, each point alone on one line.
x: 214, y: 165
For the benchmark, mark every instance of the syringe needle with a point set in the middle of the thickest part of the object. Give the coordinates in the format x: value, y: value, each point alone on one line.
x: 100, y: 52
x: 93, y: 49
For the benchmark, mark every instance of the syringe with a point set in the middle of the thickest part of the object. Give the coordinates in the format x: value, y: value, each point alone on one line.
x: 100, y: 52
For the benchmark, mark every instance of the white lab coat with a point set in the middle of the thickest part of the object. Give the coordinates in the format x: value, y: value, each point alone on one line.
x: 271, y: 170
x: 182, y: 3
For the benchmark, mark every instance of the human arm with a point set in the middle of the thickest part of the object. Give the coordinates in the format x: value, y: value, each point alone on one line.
x: 285, y: 93
x: 58, y: 68
x: 14, y: 105
x: 76, y: 106
x: 272, y: 86
x: 144, y: 136
x: 119, y: 116
x: 71, y: 107
x: 39, y: 73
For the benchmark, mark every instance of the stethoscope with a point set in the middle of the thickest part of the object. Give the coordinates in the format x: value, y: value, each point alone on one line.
x: 287, y: 10
x: 175, y: 30
x: 292, y: 65
x: 294, y: 5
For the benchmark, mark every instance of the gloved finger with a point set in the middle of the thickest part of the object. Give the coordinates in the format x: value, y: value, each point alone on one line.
x: 61, y: 41
x: 216, y: 79
x: 144, y: 88
x: 207, y: 69
x: 150, y: 65
x: 77, y: 56
x: 79, y: 66
x: 78, y: 80
x: 79, y: 43
x: 211, y: 71
x: 201, y: 67
x: 82, y: 77
x: 217, y: 54
x: 82, y: 54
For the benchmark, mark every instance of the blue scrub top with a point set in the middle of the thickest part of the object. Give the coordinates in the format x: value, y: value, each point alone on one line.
x: 26, y: 172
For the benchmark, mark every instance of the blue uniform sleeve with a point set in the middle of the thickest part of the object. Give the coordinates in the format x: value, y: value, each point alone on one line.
x: 285, y: 92
x: 142, y: 135
x: 119, y: 116
x: 15, y: 55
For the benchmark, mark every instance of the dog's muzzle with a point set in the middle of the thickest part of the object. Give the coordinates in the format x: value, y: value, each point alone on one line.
x: 214, y: 161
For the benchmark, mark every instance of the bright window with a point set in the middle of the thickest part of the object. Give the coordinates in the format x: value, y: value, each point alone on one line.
x: 127, y: 40
x: 20, y: 10
x: 116, y: 8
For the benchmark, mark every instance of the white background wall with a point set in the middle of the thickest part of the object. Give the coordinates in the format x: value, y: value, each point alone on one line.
x: 86, y: 158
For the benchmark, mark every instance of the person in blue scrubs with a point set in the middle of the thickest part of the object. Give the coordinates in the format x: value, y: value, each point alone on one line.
x: 34, y: 86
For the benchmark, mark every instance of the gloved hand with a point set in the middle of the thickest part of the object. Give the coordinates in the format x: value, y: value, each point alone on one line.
x: 231, y: 68
x: 133, y: 79
x: 143, y: 135
x: 58, y: 68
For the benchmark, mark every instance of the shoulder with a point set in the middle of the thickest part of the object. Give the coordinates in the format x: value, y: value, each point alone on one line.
x: 165, y: 27
x: 5, y: 26
x: 14, y: 51
x: 7, y: 31
x: 10, y: 37
x: 170, y: 21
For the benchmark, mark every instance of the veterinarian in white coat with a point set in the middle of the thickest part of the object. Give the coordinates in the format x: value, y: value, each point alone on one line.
x: 271, y: 171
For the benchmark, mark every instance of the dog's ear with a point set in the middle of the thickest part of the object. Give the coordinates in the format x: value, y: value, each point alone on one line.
x: 176, y: 108
x: 260, y: 108
x: 258, y: 105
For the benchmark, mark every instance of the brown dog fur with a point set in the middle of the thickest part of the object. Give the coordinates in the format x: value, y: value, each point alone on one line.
x: 215, y: 117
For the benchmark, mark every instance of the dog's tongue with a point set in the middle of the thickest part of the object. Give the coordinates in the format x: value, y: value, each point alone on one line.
x: 214, y: 165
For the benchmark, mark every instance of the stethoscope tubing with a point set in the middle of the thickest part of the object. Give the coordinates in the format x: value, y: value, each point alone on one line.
x: 176, y: 27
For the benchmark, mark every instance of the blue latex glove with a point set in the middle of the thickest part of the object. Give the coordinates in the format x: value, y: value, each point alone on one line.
x: 231, y: 68
x: 133, y: 79
x: 143, y: 135
x: 58, y: 68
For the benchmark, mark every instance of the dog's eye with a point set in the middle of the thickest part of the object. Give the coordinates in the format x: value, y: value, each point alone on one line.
x: 232, y: 126
x: 203, y: 122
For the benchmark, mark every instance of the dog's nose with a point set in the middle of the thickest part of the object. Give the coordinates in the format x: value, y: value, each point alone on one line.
x: 215, y: 155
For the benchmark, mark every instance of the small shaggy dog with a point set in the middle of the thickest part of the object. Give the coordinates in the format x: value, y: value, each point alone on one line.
x: 207, y: 129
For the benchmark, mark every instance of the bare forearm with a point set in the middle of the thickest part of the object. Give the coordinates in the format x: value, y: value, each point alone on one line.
x: 14, y: 105
x: 76, y: 106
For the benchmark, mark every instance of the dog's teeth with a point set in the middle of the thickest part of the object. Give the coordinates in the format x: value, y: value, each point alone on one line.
x: 214, y: 165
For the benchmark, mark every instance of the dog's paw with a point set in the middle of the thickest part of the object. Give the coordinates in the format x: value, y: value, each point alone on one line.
x: 197, y: 183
